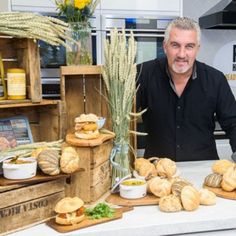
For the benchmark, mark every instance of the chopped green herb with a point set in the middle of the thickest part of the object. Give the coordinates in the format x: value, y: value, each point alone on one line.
x: 101, y: 210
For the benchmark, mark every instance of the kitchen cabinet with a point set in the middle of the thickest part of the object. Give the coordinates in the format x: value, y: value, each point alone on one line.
x: 173, y: 6
x: 36, y: 6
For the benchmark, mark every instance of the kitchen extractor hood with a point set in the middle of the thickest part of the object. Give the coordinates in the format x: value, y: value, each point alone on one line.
x: 221, y: 16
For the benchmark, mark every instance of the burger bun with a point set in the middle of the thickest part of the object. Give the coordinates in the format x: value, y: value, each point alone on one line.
x: 68, y: 204
x: 69, y: 221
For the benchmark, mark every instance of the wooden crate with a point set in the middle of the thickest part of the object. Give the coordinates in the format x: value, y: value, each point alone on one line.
x: 95, y: 180
x: 46, y: 119
x: 23, y: 53
x: 83, y: 91
x: 22, y: 206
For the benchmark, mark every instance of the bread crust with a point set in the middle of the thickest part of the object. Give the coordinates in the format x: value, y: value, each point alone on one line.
x: 69, y: 221
x: 68, y: 204
x: 91, y: 135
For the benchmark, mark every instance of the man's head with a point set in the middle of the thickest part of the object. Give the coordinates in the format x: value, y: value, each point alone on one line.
x: 181, y: 44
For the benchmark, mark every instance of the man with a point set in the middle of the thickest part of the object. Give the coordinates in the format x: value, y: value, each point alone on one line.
x: 182, y: 96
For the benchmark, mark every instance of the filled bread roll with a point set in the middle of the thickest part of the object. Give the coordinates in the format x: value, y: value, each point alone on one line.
x: 229, y: 179
x: 207, y: 197
x: 221, y: 166
x: 170, y: 203
x: 213, y: 180
x: 190, y: 198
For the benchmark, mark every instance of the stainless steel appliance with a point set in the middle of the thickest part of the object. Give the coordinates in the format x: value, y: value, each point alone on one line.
x: 148, y: 32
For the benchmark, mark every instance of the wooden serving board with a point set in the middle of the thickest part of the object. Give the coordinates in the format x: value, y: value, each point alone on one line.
x: 221, y: 193
x: 149, y: 199
x: 40, y: 177
x: 85, y: 223
x: 73, y: 140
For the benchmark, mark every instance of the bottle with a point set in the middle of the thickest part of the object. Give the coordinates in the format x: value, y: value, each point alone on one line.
x: 16, y: 83
x: 3, y: 91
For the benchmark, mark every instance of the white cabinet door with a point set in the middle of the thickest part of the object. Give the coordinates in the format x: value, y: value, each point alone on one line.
x: 148, y: 5
x: 33, y: 6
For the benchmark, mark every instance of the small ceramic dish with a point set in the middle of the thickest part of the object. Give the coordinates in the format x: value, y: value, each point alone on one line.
x: 24, y: 168
x: 133, y: 188
x: 101, y: 121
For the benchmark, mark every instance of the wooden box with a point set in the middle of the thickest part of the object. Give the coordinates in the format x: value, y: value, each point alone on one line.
x: 46, y: 119
x: 23, y: 53
x: 22, y: 206
x: 95, y: 180
x: 83, y: 91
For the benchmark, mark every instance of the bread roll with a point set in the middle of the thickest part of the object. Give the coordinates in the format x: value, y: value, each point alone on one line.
x: 69, y: 161
x: 159, y: 187
x: 213, y: 180
x: 170, y: 203
x: 229, y: 179
x: 207, y: 197
x: 190, y: 198
x: 178, y: 185
x: 166, y: 168
x: 145, y: 168
x: 221, y: 166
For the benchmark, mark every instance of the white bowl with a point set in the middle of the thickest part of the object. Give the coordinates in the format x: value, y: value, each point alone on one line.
x: 20, y: 171
x: 101, y: 121
x: 133, y: 188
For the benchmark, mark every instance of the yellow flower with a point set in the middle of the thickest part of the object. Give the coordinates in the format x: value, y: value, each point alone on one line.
x: 80, y: 4
x: 67, y: 2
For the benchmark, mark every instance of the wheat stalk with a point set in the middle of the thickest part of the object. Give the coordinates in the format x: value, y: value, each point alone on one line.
x: 34, y: 26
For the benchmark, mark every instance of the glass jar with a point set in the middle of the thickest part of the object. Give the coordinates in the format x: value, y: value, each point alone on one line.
x: 16, y: 83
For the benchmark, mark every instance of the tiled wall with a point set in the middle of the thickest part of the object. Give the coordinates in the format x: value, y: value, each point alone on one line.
x: 212, y: 40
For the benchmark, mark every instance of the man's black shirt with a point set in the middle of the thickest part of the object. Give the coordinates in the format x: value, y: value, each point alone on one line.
x: 181, y: 128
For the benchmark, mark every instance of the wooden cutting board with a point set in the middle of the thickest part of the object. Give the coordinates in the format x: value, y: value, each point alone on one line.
x: 116, y: 199
x: 73, y: 140
x: 85, y: 223
x: 221, y: 193
x: 40, y: 177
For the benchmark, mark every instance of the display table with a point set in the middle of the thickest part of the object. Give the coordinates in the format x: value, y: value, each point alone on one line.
x: 150, y: 221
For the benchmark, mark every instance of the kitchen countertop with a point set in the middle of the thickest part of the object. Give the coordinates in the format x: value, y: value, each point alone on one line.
x: 150, y: 221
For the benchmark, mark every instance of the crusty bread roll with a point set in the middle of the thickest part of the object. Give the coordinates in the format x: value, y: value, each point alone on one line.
x: 213, y: 180
x: 69, y: 221
x: 69, y: 161
x: 221, y: 166
x: 159, y: 187
x: 170, y: 203
x: 190, y: 198
x: 229, y: 179
x: 207, y: 197
x: 178, y: 185
x: 166, y: 167
x: 145, y: 168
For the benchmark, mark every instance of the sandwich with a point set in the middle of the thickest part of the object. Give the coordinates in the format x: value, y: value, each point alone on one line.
x: 86, y: 126
x: 69, y: 211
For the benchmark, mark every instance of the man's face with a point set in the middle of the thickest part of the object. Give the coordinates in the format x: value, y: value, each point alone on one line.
x: 181, y: 50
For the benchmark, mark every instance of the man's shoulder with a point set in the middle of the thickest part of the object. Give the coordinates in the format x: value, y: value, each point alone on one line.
x: 210, y: 70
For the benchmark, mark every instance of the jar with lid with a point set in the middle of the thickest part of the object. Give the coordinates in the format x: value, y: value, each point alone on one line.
x: 16, y: 83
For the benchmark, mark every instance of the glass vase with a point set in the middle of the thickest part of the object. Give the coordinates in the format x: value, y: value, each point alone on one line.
x: 119, y: 159
x: 80, y: 52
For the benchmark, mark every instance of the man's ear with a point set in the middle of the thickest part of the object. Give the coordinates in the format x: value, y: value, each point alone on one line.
x: 164, y: 46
